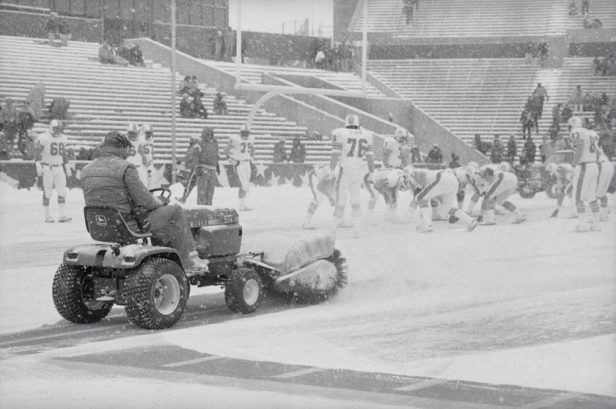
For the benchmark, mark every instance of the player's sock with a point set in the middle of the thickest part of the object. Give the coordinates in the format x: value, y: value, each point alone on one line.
x: 426, y: 219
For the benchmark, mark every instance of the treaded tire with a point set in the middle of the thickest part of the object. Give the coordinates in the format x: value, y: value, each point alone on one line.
x: 71, y: 288
x: 156, y: 294
x: 244, y: 291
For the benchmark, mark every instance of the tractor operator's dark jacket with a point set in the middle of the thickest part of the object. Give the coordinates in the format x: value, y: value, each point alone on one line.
x: 112, y: 181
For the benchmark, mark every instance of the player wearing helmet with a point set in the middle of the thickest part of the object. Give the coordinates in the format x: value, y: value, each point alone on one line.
x: 442, y: 186
x: 562, y: 174
x: 146, y: 134
x: 135, y: 155
x: 241, y: 152
x: 499, y: 186
x: 321, y: 181
x: 585, y: 174
x: 51, y: 162
x: 387, y: 182
x: 606, y: 172
x: 351, y: 146
x: 396, y: 150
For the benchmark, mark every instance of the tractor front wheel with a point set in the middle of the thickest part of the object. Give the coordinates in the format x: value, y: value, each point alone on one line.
x: 244, y: 291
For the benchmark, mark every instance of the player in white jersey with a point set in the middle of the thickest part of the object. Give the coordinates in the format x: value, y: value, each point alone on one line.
x: 351, y: 146
x: 606, y: 172
x: 585, y: 174
x: 321, y: 180
x: 241, y: 152
x: 51, y: 162
x: 147, y: 151
x: 387, y: 182
x: 396, y: 150
x: 438, y: 185
x: 562, y: 173
x: 496, y: 187
x: 135, y: 153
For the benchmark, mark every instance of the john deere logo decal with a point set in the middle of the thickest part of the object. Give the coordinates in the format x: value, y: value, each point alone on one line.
x: 101, y: 220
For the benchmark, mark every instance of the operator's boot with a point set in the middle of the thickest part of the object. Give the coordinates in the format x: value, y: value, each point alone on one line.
x: 426, y: 220
x: 489, y: 218
x: 196, y: 265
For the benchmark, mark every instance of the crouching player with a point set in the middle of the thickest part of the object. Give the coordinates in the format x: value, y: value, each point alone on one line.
x: 500, y: 185
x: 563, y: 174
x: 387, y: 183
x: 433, y: 184
x: 321, y: 180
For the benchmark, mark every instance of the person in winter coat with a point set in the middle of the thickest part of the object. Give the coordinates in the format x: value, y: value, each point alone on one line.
x: 496, y: 154
x: 280, y: 152
x: 208, y: 168
x: 530, y: 150
x: 298, y: 151
x: 110, y: 180
x: 512, y: 149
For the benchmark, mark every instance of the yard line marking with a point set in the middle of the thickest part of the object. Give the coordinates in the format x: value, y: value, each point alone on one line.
x: 191, y: 361
x: 547, y: 402
x: 420, y: 385
x: 300, y: 372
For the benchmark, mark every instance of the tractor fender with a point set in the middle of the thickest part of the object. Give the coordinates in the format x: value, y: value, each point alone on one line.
x: 114, y: 256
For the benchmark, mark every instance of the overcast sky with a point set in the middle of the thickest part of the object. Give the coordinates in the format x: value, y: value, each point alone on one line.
x: 269, y: 15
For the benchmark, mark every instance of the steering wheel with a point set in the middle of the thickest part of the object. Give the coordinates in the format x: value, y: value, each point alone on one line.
x: 164, y: 195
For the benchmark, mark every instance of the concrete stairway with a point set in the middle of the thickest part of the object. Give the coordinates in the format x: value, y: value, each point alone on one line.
x: 105, y: 98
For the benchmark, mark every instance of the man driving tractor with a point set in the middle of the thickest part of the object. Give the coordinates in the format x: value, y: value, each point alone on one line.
x: 110, y: 180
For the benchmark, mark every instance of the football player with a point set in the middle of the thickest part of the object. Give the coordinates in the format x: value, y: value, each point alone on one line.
x: 563, y: 174
x: 386, y: 182
x: 606, y: 172
x: 147, y: 151
x: 351, y: 146
x: 435, y: 184
x: 585, y: 174
x: 396, y: 150
x: 496, y: 187
x: 321, y: 180
x: 135, y: 153
x: 241, y: 152
x: 51, y: 162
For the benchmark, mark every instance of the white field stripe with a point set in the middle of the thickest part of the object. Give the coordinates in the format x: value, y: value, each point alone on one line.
x: 191, y: 361
x: 420, y: 385
x: 298, y: 373
x: 547, y: 402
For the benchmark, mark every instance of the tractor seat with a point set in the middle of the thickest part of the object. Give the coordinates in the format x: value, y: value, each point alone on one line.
x: 107, y: 224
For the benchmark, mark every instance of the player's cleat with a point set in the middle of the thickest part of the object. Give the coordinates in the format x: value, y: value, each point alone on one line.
x: 308, y: 226
x: 64, y: 219
x: 554, y: 213
x: 472, y: 225
x: 519, y: 219
x: 49, y: 219
x: 479, y: 218
x: 426, y: 229
x: 574, y: 216
x: 196, y: 265
x: 345, y: 225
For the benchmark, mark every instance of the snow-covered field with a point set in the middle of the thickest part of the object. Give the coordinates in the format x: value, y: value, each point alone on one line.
x: 528, y: 305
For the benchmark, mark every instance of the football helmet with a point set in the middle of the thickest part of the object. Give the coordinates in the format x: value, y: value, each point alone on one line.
x: 486, y: 173
x: 401, y: 135
x: 146, y: 129
x: 575, y: 122
x: 55, y: 127
x: 132, y: 130
x: 551, y: 168
x: 351, y: 121
x: 407, y: 179
x: 504, y: 166
x: 244, y: 131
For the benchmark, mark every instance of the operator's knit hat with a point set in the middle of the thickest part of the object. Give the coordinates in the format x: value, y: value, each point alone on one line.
x: 116, y: 140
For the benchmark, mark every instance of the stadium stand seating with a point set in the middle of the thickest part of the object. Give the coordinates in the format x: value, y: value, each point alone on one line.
x: 105, y: 98
x: 468, y: 18
x: 604, y: 10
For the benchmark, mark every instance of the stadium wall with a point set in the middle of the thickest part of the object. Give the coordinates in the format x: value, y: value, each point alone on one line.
x: 25, y: 24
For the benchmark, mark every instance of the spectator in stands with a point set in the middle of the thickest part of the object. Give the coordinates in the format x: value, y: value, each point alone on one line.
x: 407, y: 11
x: 198, y: 108
x: 585, y: 7
x: 415, y: 154
x: 479, y: 145
x: 496, y: 154
x: 36, y: 101
x: 347, y: 56
x: 185, y: 85
x: 556, y: 114
x: 541, y: 95
x: 280, y: 152
x: 599, y: 66
x: 512, y: 149
x: 528, y: 122
x: 25, y: 122
x: 8, y: 119
x: 107, y: 55
x: 319, y: 58
x: 57, y: 29
x: 546, y: 148
x: 186, y: 106
x: 529, y: 150
x: 193, y: 87
x: 4, y: 147
x: 577, y: 99
x: 455, y: 161
x: 553, y: 131
x: 209, y: 167
x: 298, y: 151
x: 567, y: 112
x: 220, y: 105
x: 131, y: 53
x: 59, y: 108
x: 606, y: 140
x: 435, y: 156
x: 591, y: 22
x: 529, y: 52
x: 573, y: 10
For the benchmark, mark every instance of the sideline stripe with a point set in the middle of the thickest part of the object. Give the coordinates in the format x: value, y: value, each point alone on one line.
x: 420, y: 385
x: 301, y: 372
x: 191, y: 361
x: 548, y: 402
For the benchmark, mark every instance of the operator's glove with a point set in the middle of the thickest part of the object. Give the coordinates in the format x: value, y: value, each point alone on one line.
x: 39, y: 169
